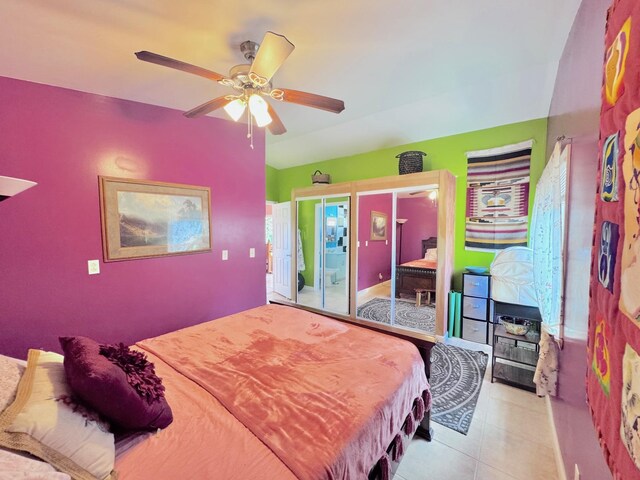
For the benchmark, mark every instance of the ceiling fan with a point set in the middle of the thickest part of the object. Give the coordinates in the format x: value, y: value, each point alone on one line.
x: 252, y: 82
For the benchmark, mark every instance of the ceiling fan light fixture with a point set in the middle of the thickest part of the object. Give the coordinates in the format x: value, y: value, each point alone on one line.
x: 236, y: 108
x: 260, y: 110
x: 249, y: 81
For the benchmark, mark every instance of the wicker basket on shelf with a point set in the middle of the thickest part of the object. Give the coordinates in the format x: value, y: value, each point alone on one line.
x: 319, y: 177
x: 410, y: 162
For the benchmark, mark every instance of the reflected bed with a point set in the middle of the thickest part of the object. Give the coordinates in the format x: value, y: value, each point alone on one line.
x: 418, y: 274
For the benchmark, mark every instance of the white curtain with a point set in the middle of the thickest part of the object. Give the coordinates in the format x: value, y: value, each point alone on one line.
x: 547, y: 239
x: 547, y: 242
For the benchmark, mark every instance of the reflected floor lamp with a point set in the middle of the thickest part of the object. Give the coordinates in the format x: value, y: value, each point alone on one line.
x: 400, y: 222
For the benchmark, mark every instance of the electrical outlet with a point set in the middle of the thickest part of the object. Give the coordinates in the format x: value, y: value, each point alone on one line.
x: 576, y: 473
x: 252, y: 253
x: 93, y: 266
x: 366, y: 243
x: 225, y: 254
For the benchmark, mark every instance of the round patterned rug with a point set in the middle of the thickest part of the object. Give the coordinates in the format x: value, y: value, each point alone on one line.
x: 456, y: 379
x: 407, y: 314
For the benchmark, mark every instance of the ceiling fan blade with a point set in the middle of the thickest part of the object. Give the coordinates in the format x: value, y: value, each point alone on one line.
x: 272, y: 53
x: 276, y: 127
x: 178, y: 65
x: 312, y: 100
x: 208, y: 107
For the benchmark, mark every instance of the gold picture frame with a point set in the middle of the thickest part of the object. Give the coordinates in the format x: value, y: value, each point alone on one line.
x: 145, y: 219
x: 378, y: 226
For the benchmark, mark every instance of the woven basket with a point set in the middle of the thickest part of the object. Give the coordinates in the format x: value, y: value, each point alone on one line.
x: 319, y: 177
x: 410, y: 162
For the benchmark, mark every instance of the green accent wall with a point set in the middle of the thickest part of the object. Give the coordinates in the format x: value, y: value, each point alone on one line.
x: 271, y: 174
x: 442, y: 153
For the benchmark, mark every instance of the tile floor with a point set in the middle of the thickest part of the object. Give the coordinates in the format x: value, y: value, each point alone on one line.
x: 509, y: 439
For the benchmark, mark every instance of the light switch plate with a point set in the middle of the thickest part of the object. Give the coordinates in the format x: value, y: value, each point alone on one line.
x: 358, y: 243
x: 225, y: 254
x: 252, y: 253
x: 366, y: 243
x: 93, y: 266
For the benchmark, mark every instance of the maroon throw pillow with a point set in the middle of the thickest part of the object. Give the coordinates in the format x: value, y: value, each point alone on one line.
x: 116, y: 382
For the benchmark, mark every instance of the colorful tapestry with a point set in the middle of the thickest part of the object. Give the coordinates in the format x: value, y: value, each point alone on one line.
x: 497, y: 213
x: 600, y: 362
x: 630, y: 406
x: 613, y: 381
x: 607, y: 253
x: 630, y: 271
x: 609, y: 184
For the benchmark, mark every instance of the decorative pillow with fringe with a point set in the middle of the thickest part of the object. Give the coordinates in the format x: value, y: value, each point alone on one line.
x: 117, y: 382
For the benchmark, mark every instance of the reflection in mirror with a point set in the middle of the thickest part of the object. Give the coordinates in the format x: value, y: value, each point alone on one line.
x: 309, y: 255
x: 323, y: 254
x: 375, y: 257
x: 336, y: 255
x: 416, y: 259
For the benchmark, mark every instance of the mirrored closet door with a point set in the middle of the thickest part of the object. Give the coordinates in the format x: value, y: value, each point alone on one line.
x: 323, y: 253
x: 374, y: 283
x: 397, y: 257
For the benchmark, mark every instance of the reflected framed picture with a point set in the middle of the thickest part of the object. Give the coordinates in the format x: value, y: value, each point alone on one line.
x: 143, y: 219
x: 378, y: 226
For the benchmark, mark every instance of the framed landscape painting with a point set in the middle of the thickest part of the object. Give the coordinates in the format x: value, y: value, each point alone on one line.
x: 142, y: 219
x: 378, y: 225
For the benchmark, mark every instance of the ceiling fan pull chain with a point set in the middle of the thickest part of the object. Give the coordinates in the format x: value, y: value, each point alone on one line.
x: 250, y: 128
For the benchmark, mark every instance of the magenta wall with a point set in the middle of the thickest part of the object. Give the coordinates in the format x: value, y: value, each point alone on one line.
x: 574, y: 113
x: 375, y: 258
x: 422, y: 222
x: 63, y: 140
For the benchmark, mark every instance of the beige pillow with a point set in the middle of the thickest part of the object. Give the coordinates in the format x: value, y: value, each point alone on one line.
x: 40, y: 422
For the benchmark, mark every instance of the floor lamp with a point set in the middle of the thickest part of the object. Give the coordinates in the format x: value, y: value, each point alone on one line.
x: 400, y: 222
x: 12, y: 186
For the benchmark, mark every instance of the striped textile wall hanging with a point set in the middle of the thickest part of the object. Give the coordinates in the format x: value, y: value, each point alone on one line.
x: 497, y: 213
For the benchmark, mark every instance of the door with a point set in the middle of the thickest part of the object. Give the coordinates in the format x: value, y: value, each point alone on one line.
x: 282, y: 249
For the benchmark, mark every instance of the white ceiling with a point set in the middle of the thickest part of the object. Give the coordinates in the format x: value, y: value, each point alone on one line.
x: 407, y: 70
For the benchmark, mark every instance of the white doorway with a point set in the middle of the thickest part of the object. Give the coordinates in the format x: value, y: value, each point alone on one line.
x: 281, y: 218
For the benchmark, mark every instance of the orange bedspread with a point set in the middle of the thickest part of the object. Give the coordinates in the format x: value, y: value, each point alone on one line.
x: 422, y: 263
x: 325, y: 397
x: 204, y: 441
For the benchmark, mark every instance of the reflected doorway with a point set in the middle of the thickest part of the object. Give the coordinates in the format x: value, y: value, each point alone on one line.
x: 323, y: 254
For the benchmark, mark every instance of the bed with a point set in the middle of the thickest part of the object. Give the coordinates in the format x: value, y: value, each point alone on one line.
x: 278, y: 392
x: 418, y: 274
